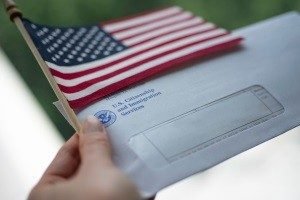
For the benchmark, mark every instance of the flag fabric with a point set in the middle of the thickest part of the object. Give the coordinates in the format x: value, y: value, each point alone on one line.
x: 89, y: 63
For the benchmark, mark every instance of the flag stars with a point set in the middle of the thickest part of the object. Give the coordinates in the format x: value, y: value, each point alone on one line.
x: 40, y: 33
x: 98, y: 38
x: 59, y: 41
x: 88, y: 37
x: 33, y: 26
x: 109, y: 48
x: 52, y: 48
x: 77, y: 48
x: 90, y: 46
x: 50, y: 37
x: 85, y: 40
x: 67, y: 34
x: 76, y: 37
x: 94, y: 42
x: 58, y: 31
x: 107, y: 39
x: 103, y: 44
x: 119, y: 48
x: 72, y: 41
x: 100, y: 48
x: 81, y: 44
x: 45, y: 29
x: 106, y: 53
x: 80, y: 33
x: 69, y: 46
x: 101, y: 34
x: 63, y: 37
x: 54, y: 34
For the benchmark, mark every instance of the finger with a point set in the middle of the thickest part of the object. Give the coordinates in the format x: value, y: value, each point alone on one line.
x: 65, y: 163
x: 94, y: 147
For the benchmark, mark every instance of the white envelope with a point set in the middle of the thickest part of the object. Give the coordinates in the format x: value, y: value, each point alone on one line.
x: 186, y: 121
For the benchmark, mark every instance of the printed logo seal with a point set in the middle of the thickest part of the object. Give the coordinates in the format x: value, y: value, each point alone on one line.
x: 106, y: 117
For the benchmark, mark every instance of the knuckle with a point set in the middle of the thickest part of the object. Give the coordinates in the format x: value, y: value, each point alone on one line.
x: 63, y: 150
x: 95, y: 140
x: 66, y: 150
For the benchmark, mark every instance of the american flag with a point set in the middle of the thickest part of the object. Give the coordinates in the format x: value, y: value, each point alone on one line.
x: 89, y: 63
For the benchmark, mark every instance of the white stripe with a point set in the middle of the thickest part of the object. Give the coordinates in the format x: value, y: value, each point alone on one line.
x: 140, y: 29
x: 138, y: 48
x: 111, y: 27
x: 141, y: 57
x: 155, y: 33
x: 184, y: 52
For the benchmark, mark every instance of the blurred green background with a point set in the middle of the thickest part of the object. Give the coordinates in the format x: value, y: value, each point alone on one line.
x: 230, y: 14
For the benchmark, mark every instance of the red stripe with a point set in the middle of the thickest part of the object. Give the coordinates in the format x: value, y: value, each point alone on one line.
x: 69, y: 76
x: 146, y: 74
x: 86, y: 84
x: 171, y: 32
x: 161, y: 26
x: 107, y: 22
x: 146, y: 23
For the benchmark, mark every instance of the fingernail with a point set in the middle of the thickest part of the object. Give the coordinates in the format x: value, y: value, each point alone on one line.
x: 92, y: 125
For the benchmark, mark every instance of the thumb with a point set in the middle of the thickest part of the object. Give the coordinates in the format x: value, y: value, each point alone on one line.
x: 94, y: 146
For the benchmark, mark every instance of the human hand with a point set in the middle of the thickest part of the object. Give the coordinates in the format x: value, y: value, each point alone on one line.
x: 83, y: 169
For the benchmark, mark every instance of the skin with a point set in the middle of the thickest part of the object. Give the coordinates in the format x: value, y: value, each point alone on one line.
x: 83, y: 169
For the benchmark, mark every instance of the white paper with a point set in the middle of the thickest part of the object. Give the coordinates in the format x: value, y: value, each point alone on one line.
x: 186, y: 121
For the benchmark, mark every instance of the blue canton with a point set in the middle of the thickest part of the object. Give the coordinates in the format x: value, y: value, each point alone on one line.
x: 72, y: 46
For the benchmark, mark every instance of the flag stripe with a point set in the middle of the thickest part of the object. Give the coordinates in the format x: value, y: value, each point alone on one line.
x: 116, y: 26
x: 117, y: 85
x: 148, y: 23
x: 148, y: 27
x: 148, y: 54
x: 86, y: 83
x: 87, y: 68
x: 162, y: 31
x: 149, y: 65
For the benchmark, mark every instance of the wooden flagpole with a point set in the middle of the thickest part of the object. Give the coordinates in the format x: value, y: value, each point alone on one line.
x: 15, y: 16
